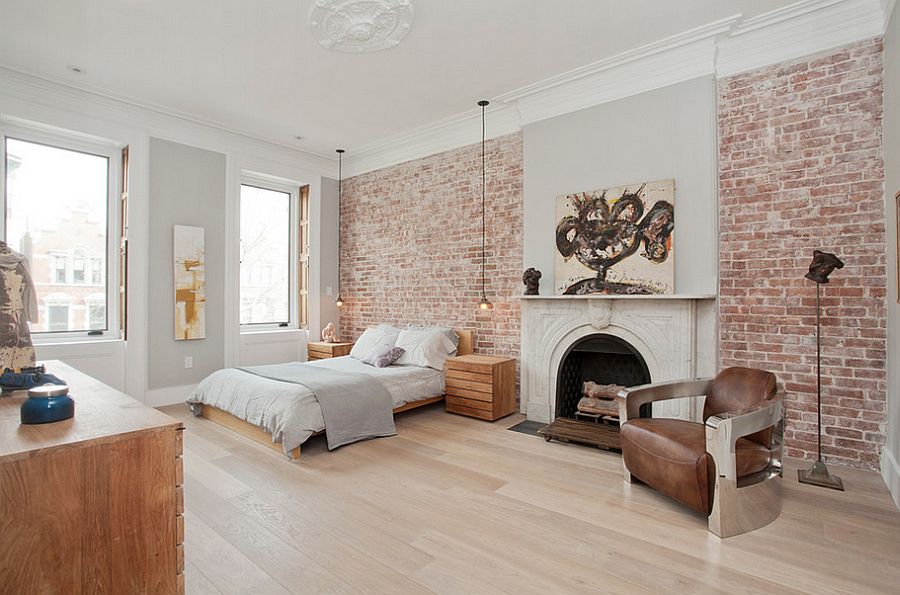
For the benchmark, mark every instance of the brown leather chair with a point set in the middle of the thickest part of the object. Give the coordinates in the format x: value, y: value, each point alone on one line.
x: 729, y: 467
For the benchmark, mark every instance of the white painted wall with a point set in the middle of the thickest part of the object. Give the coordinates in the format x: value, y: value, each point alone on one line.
x: 25, y: 99
x: 666, y: 133
x: 890, y: 455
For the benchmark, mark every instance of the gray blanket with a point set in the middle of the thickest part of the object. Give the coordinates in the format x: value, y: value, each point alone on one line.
x: 354, y: 407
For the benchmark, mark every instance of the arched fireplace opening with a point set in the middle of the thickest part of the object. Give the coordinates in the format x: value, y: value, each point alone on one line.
x: 601, y: 358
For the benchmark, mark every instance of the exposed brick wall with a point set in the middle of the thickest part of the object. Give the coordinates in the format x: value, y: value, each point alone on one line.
x: 800, y: 160
x: 411, y: 244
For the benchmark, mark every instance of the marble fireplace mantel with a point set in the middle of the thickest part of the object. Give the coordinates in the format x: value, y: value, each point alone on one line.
x: 675, y: 334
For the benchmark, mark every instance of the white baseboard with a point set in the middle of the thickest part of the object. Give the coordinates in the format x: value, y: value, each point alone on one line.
x: 890, y: 471
x: 171, y: 395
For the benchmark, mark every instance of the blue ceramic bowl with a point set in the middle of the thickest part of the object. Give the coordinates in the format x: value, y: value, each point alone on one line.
x: 47, y: 403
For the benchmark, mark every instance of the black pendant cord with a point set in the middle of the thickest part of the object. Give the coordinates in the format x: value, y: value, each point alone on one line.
x: 340, y: 153
x: 483, y: 190
x: 819, y: 369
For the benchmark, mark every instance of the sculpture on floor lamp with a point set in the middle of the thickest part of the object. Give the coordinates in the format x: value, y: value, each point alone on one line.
x: 821, y: 266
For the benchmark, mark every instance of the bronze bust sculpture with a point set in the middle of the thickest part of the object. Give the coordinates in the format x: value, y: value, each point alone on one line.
x: 532, y: 279
x: 821, y: 266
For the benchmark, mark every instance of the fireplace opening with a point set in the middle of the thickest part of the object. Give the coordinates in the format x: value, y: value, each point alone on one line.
x: 603, y: 359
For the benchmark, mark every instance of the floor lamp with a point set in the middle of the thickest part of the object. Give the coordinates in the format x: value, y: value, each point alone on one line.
x: 821, y: 266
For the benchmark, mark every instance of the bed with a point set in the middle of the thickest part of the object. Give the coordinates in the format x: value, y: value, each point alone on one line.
x: 223, y: 398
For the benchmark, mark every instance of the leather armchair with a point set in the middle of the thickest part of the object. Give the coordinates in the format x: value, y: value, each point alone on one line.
x: 729, y: 466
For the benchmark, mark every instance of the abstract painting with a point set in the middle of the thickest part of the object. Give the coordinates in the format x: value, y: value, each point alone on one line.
x: 616, y: 240
x: 190, y: 283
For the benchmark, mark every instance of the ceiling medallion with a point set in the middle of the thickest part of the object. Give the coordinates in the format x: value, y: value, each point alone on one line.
x: 360, y: 25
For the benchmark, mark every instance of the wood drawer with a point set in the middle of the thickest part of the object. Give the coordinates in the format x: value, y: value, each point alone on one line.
x: 470, y: 411
x: 471, y: 403
x: 469, y: 367
x: 485, y: 378
x: 465, y: 393
x: 470, y: 385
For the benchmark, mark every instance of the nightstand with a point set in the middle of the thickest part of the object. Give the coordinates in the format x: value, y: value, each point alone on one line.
x: 322, y: 350
x: 482, y: 386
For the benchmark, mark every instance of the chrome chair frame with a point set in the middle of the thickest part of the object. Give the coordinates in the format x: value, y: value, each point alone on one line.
x: 739, y: 504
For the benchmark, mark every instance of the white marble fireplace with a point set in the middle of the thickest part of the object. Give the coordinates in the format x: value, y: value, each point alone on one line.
x: 674, y: 334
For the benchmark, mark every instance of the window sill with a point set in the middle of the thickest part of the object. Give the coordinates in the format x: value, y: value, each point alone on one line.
x: 37, y: 342
x: 273, y: 335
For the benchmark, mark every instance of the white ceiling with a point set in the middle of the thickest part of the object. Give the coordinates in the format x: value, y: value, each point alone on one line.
x: 253, y: 65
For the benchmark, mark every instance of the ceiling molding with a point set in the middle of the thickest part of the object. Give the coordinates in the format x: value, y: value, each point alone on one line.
x: 802, y: 29
x: 721, y: 48
x: 158, y: 120
x: 443, y: 135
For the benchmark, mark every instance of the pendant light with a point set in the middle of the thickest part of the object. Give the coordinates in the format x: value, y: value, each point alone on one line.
x: 340, y: 298
x: 484, y: 304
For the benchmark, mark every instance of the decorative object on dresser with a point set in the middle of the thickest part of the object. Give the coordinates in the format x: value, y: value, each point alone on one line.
x: 728, y: 467
x: 482, y: 386
x: 18, y: 307
x: 532, y: 280
x: 484, y: 304
x: 602, y: 229
x: 822, y: 265
x: 92, y: 504
x: 324, y: 349
x: 329, y: 335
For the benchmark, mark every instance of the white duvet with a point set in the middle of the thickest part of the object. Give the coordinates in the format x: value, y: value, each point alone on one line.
x: 290, y: 412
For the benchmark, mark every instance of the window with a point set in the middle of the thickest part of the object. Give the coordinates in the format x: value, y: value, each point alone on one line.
x: 268, y: 263
x: 303, y: 277
x: 58, y: 318
x: 58, y: 196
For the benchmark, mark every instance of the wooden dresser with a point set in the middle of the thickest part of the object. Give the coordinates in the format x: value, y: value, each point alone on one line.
x: 92, y: 504
x: 323, y: 350
x: 482, y: 386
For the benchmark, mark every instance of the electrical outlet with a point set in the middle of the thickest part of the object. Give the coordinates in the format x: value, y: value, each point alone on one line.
x: 188, y: 362
x: 328, y: 290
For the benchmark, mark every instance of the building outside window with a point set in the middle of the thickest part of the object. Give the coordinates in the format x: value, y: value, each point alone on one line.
x: 268, y: 268
x: 58, y: 202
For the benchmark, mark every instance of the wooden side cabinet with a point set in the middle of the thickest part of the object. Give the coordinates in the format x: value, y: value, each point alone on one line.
x: 93, y: 504
x: 322, y: 350
x: 482, y: 386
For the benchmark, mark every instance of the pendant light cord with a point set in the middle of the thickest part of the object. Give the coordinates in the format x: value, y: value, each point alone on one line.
x: 340, y: 153
x: 483, y: 256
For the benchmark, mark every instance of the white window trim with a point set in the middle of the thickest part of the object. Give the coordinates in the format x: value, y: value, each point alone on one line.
x: 94, y: 146
x: 293, y: 189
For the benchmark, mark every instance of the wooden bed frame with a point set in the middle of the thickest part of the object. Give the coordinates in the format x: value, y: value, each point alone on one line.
x: 257, y: 434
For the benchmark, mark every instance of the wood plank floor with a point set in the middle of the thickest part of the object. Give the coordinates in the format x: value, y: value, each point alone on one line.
x: 456, y: 505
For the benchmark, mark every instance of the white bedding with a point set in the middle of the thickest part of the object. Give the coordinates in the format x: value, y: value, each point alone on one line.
x: 290, y: 412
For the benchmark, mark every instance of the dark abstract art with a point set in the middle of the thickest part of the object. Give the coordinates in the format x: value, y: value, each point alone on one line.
x: 617, y: 240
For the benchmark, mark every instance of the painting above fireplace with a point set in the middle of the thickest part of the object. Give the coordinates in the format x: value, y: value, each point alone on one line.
x: 616, y: 240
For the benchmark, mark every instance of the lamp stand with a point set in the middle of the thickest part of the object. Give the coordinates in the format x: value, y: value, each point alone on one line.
x: 818, y: 474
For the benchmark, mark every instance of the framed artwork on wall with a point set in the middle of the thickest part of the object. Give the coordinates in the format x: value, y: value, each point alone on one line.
x: 190, y: 283
x: 616, y: 240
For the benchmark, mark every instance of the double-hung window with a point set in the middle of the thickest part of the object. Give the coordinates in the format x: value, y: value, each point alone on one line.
x: 268, y: 254
x: 59, y: 201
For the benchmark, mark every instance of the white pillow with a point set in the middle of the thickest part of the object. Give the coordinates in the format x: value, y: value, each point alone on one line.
x: 451, y: 334
x: 383, y: 336
x: 424, y: 348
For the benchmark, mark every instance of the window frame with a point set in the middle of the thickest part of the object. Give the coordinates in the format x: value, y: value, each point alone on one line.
x: 292, y: 189
x: 79, y: 143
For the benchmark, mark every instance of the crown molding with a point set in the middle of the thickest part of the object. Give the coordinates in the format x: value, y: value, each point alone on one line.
x: 157, y: 120
x: 671, y: 60
x: 798, y: 30
x: 721, y: 48
x: 443, y: 135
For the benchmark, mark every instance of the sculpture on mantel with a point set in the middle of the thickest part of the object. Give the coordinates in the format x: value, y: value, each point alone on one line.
x: 329, y: 335
x: 532, y: 280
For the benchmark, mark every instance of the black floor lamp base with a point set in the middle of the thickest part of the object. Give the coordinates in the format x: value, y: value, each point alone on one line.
x: 818, y: 475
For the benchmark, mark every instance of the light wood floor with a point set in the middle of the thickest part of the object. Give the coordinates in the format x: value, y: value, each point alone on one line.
x: 455, y: 505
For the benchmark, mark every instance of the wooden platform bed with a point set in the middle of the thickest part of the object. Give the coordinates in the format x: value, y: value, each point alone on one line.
x: 257, y: 434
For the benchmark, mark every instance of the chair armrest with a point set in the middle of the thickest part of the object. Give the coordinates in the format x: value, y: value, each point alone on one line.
x: 631, y: 399
x: 724, y: 429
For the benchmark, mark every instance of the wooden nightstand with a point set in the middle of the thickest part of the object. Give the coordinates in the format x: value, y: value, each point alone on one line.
x: 322, y: 350
x: 482, y: 386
